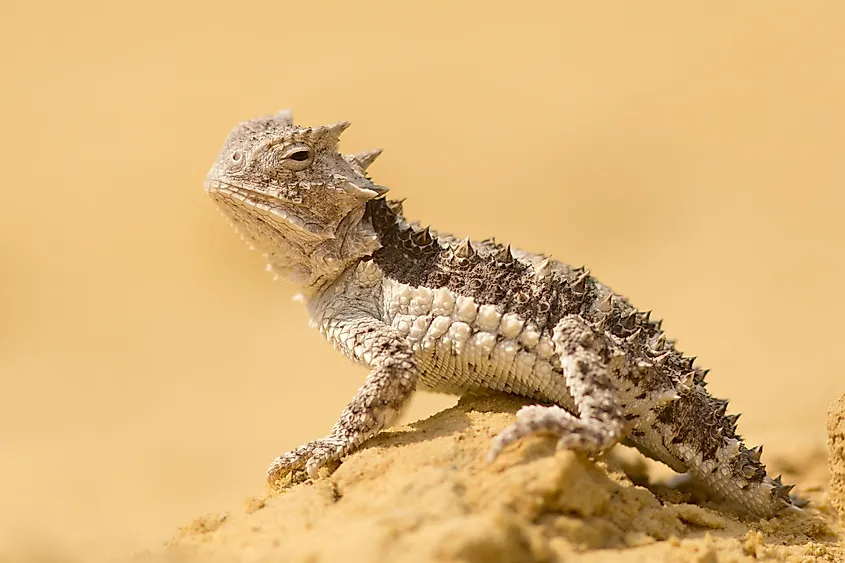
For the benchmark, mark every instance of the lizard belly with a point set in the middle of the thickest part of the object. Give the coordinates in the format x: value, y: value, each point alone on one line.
x: 459, y: 357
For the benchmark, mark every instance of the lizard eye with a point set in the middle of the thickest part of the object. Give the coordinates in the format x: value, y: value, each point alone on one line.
x: 297, y: 158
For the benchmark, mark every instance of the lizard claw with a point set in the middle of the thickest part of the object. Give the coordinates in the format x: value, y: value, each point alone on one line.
x: 572, y: 433
x: 310, y: 456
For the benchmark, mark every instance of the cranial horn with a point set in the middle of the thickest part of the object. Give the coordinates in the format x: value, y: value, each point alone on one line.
x: 331, y: 131
x: 285, y: 117
x: 365, y: 158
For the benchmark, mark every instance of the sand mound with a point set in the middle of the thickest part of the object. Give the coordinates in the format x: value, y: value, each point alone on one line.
x: 422, y: 493
x: 836, y: 445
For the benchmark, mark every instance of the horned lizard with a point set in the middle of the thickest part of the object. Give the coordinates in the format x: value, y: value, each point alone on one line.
x: 424, y: 309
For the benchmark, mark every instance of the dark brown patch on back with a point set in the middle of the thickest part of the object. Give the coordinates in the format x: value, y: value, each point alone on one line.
x: 485, y: 274
x: 698, y: 420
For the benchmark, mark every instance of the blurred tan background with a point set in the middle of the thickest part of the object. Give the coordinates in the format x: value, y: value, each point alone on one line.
x: 691, y: 157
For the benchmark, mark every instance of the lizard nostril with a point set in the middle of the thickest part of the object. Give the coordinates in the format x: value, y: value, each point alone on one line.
x: 237, y: 156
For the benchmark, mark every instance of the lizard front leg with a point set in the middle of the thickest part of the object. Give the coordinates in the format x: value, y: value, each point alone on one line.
x: 582, y: 352
x: 392, y: 380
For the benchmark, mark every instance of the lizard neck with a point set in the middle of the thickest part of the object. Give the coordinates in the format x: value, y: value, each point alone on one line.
x: 359, y: 238
x: 321, y: 264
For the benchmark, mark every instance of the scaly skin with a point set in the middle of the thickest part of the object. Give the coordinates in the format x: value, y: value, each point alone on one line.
x: 422, y: 309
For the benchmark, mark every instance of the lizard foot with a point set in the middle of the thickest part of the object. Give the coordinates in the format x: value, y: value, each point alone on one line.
x: 310, y: 456
x: 572, y: 433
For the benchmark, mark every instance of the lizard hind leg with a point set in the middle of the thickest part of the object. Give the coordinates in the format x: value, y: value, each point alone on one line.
x: 599, y: 423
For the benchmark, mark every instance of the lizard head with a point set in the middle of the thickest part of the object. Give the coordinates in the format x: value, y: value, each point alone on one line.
x: 292, y: 195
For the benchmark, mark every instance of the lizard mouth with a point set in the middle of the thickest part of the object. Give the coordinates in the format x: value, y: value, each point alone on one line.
x: 236, y: 196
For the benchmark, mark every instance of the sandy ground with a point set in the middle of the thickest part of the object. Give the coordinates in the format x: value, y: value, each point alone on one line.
x: 836, y: 454
x: 419, y: 493
x: 691, y: 157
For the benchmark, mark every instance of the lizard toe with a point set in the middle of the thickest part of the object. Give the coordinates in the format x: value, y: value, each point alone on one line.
x: 571, y: 432
x: 291, y: 461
